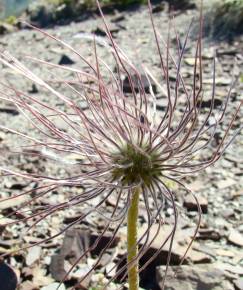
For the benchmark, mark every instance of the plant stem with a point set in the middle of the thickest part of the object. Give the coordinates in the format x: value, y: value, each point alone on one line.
x: 132, y: 248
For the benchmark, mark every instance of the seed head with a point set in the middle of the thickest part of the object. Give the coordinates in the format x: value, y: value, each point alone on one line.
x: 136, y: 165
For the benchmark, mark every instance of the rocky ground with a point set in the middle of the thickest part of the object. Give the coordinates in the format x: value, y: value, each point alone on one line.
x: 215, y: 261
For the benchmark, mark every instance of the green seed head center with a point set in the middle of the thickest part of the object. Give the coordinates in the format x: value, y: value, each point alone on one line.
x: 135, y: 165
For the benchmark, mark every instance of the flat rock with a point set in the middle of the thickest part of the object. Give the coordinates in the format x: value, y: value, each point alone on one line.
x: 6, y: 28
x: 2, y: 136
x: 40, y: 276
x: 9, y: 110
x: 101, y: 31
x: 225, y: 183
x: 136, y: 84
x: 74, y: 245
x: 161, y: 104
x: 28, y: 285
x: 196, y: 185
x: 33, y: 255
x: 207, y: 102
x: 54, y: 286
x: 191, y: 205
x: 10, y: 203
x: 238, y: 284
x: 238, y: 270
x: 195, y: 277
x: 65, y: 60
x: 227, y: 51
x: 4, y: 221
x: 225, y: 253
x: 236, y: 193
x: 198, y: 257
x: 158, y: 8
x: 223, y: 81
x: 228, y: 213
x: 34, y: 89
x: 191, y: 61
x: 180, y: 244
x: 208, y: 234
x: 236, y: 238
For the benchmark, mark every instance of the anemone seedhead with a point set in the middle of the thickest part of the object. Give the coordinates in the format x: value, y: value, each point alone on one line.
x: 136, y: 164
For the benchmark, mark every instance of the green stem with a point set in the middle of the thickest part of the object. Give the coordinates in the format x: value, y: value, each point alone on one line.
x: 132, y: 248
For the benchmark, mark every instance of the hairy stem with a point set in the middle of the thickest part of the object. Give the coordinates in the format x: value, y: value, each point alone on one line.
x: 132, y: 248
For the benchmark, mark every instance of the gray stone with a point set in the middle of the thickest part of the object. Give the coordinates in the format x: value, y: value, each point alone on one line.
x: 235, y: 238
x: 101, y: 30
x: 191, y: 204
x: 195, y: 277
x: 161, y: 104
x: 9, y: 110
x: 223, y: 81
x: 10, y: 203
x: 54, y: 286
x: 228, y: 213
x: 34, y: 89
x: 65, y: 60
x: 225, y: 183
x: 180, y: 244
x: 40, y: 13
x: 137, y: 83
x: 33, y: 255
x: 238, y: 284
x: 6, y: 28
x: 2, y: 136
